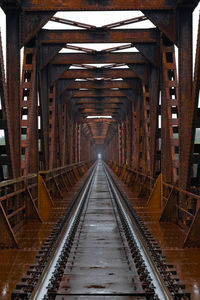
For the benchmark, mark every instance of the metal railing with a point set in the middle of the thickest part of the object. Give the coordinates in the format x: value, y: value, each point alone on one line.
x: 180, y: 206
x: 19, y: 197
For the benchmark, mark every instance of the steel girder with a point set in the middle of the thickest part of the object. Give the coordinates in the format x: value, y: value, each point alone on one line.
x: 147, y: 130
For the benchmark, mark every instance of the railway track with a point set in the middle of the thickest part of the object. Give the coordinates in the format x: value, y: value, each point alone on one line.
x: 100, y: 249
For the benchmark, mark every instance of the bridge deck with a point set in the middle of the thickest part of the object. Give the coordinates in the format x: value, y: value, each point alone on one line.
x: 15, y: 262
x: 170, y: 237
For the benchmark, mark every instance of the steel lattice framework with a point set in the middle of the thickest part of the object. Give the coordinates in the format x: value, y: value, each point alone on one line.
x: 61, y: 89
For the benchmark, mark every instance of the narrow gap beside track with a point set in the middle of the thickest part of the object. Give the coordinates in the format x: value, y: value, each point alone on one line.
x: 104, y: 252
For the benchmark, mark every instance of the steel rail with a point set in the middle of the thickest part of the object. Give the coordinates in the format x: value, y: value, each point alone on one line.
x: 80, y: 208
x: 41, y: 288
x: 160, y: 287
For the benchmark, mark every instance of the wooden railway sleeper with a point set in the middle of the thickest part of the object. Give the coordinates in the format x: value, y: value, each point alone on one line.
x: 22, y: 292
x: 174, y: 286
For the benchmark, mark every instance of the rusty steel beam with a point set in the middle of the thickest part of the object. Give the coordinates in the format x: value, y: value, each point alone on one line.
x: 97, y: 122
x: 146, y: 128
x: 117, y: 48
x: 72, y: 23
x: 133, y: 139
x: 85, y: 66
x: 32, y: 23
x: 150, y: 52
x: 100, y: 112
x: 99, y: 58
x: 118, y: 114
x: 194, y: 177
x: 128, y: 137
x: 44, y: 104
x: 170, y: 113
x: 113, y: 112
x: 154, y: 82
x: 70, y: 138
x: 98, y: 36
x: 82, y: 5
x: 96, y: 107
x: 99, y: 100
x: 99, y: 73
x: 141, y: 70
x: 13, y: 83
x: 104, y: 107
x: 10, y: 4
x: 46, y: 53
x: 54, y: 72
x: 137, y: 158
x: 62, y: 85
x: 29, y: 110
x: 99, y: 84
x: 185, y: 93
x: 100, y: 105
x: 61, y: 129
x: 133, y: 85
x: 165, y: 21
x: 74, y: 99
x: 82, y: 49
x: 125, y: 22
x: 188, y: 3
x: 6, y: 151
x: 97, y: 93
x: 53, y: 142
x: 98, y: 137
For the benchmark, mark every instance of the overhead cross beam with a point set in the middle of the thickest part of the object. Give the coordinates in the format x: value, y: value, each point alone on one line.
x: 97, y: 100
x: 82, y: 5
x: 98, y: 58
x: 133, y: 101
x: 98, y: 36
x: 108, y: 26
x: 98, y: 84
x: 96, y: 93
x: 97, y: 107
x: 103, y: 102
x: 103, y: 105
x: 99, y: 73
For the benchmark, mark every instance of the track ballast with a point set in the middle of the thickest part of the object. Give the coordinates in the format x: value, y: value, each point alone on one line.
x: 103, y: 251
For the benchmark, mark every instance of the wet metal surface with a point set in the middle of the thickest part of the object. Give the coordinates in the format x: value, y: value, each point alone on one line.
x: 98, y: 264
x: 15, y: 262
x: 170, y: 237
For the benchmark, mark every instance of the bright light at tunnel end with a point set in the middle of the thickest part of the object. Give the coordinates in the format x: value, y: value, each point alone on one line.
x: 99, y: 117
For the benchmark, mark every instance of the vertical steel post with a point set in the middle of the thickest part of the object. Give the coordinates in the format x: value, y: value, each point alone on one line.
x: 154, y: 108
x: 29, y: 113
x: 13, y: 82
x: 120, y: 143
x: 194, y: 167
x: 44, y: 104
x: 185, y: 91
x: 170, y: 114
x: 134, y: 136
